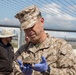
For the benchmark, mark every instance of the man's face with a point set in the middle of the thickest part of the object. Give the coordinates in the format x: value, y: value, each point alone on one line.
x: 9, y: 39
x: 34, y: 33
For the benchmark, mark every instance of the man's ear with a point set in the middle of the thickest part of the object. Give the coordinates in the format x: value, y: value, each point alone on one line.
x: 42, y: 20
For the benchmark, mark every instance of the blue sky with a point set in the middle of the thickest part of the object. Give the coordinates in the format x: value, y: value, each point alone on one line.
x: 58, y: 14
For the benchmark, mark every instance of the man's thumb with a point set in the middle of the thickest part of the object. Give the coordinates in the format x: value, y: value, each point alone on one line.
x: 43, y: 59
x: 20, y: 62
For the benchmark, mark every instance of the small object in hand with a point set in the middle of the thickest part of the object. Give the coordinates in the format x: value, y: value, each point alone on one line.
x: 29, y: 61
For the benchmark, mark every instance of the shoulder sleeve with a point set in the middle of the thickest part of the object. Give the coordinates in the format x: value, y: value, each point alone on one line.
x: 18, y: 55
x: 66, y: 61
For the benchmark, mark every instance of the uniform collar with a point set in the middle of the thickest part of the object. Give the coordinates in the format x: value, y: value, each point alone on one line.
x: 40, y: 46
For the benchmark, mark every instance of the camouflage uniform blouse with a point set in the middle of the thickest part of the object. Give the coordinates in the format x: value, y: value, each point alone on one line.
x: 59, y: 54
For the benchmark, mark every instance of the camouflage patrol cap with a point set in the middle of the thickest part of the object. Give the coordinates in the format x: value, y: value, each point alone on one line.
x: 28, y: 16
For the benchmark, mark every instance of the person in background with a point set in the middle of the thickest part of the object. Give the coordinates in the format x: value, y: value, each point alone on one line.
x: 6, y: 52
x: 53, y: 56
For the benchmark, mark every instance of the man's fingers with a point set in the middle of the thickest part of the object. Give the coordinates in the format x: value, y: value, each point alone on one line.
x: 20, y: 62
x: 43, y: 59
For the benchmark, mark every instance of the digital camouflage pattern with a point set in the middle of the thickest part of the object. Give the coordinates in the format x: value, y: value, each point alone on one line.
x: 28, y: 16
x: 58, y: 53
x: 29, y: 60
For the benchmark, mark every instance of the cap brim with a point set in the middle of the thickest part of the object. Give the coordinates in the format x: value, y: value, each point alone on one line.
x: 26, y: 25
x: 6, y: 36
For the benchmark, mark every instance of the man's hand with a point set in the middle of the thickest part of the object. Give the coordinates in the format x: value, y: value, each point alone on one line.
x: 42, y: 66
x: 26, y: 69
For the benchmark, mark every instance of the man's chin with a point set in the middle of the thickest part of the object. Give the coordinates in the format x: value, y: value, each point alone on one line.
x: 34, y: 39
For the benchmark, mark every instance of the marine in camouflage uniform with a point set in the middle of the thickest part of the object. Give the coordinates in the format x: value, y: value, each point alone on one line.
x: 58, y: 53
